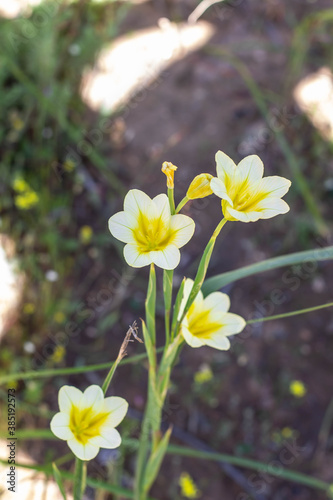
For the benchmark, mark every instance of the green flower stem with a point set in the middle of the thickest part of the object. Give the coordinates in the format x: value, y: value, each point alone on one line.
x: 167, y: 291
x: 80, y: 478
x: 202, y: 270
x: 150, y: 304
x: 152, y: 404
x: 171, y: 196
x: 288, y: 314
x: 181, y: 204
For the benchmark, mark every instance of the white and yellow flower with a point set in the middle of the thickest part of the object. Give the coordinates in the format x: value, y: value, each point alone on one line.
x: 246, y: 195
x: 87, y: 420
x: 152, y: 234
x: 208, y: 321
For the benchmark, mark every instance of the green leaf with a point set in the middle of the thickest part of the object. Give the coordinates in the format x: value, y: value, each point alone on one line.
x: 221, y: 280
x: 167, y: 292
x: 155, y: 461
x: 58, y: 478
x: 150, y: 348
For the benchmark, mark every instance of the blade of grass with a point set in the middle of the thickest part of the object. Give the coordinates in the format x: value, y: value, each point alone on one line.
x: 221, y: 280
x: 11, y: 377
x: 288, y: 314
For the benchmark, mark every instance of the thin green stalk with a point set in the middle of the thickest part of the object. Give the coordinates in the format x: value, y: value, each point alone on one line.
x: 181, y: 204
x: 80, y: 478
x: 271, y: 469
x: 11, y: 377
x: 288, y: 314
x: 171, y: 196
x: 150, y: 304
x: 167, y: 292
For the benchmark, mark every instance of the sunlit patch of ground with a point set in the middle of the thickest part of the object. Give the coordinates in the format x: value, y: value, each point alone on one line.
x: 134, y: 61
x: 314, y: 95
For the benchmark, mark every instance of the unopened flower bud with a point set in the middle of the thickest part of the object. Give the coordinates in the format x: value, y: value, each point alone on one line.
x: 200, y: 187
x: 169, y: 169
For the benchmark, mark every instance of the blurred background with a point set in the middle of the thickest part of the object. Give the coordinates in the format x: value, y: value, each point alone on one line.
x: 94, y: 96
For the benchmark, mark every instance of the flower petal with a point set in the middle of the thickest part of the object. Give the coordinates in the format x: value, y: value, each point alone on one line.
x: 225, y: 166
x: 68, y: 396
x: 161, y: 202
x: 86, y: 451
x: 219, y: 188
x: 270, y: 207
x: 134, y: 258
x: 109, y: 438
x: 252, y: 216
x: 190, y: 339
x: 274, y: 186
x: 232, y: 324
x: 121, y: 228
x: 217, y: 303
x: 60, y: 426
x: 136, y: 201
x: 93, y: 398
x: 218, y: 341
x: 117, y: 407
x: 182, y: 227
x: 250, y: 169
x: 166, y: 259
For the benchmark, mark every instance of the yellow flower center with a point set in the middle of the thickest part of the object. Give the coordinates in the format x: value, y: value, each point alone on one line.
x: 201, y: 325
x: 85, y: 424
x: 152, y: 234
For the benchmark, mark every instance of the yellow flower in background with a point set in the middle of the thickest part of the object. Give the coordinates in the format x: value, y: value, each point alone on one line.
x: 86, y: 234
x: 58, y: 354
x: 152, y: 234
x: 297, y: 389
x: 203, y: 375
x: 246, y: 195
x: 69, y: 165
x: 59, y: 317
x: 287, y: 432
x: 188, y: 487
x: 20, y: 185
x: 169, y: 169
x: 29, y: 308
x: 207, y: 321
x: 26, y: 200
x: 200, y: 187
x: 87, y: 420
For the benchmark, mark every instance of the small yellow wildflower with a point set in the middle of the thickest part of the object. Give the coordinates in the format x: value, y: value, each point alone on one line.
x: 69, y: 165
x: 85, y: 235
x: 200, y: 187
x: 203, y: 375
x: 26, y: 200
x: 297, y: 389
x: 20, y: 185
x: 287, y: 432
x: 188, y: 487
x: 87, y: 420
x: 169, y: 169
x: 207, y: 321
x: 246, y: 195
x: 59, y: 317
x: 29, y: 308
x: 58, y: 354
x: 152, y: 234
